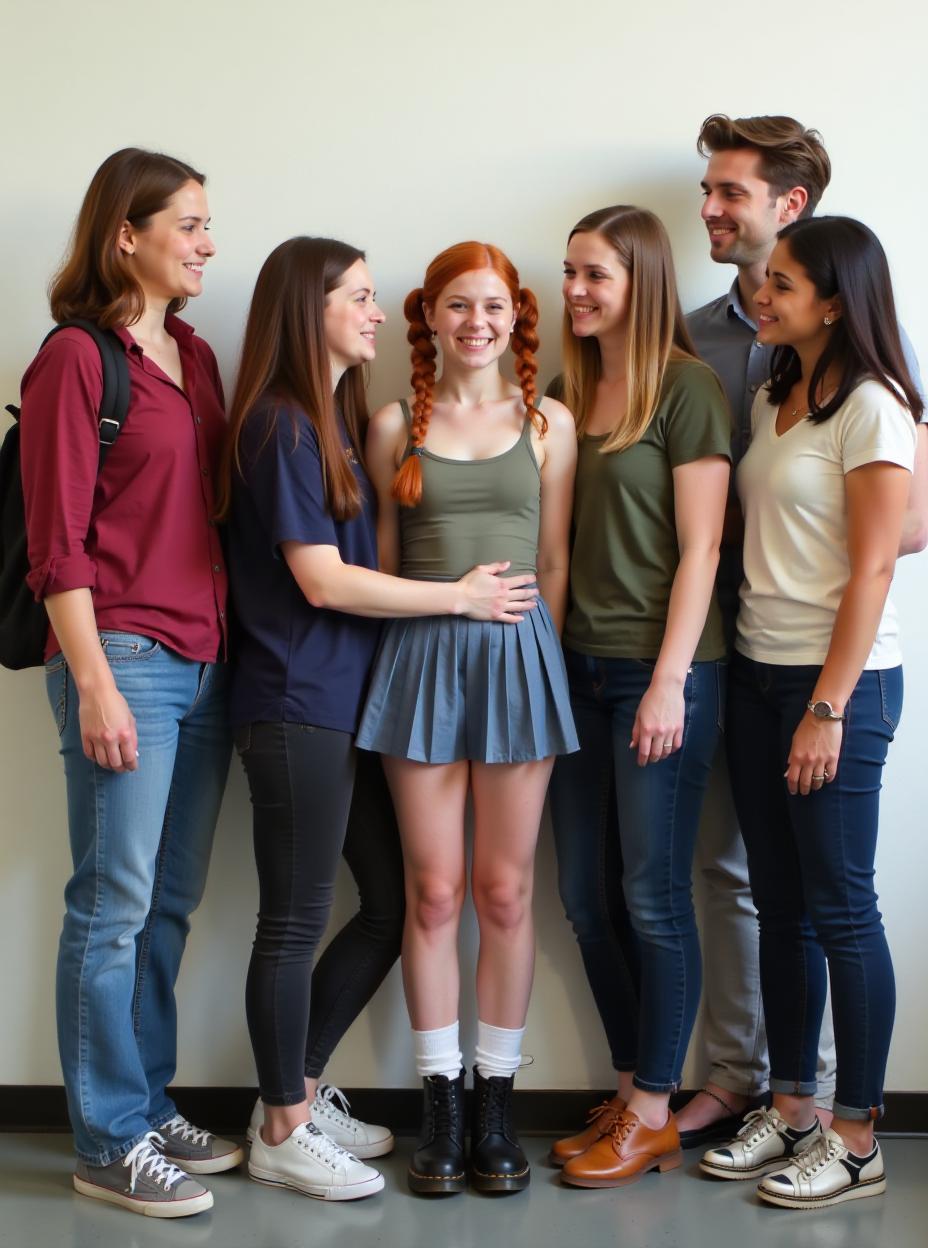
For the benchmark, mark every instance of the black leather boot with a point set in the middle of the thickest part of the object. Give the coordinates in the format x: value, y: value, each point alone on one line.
x: 497, y: 1163
x: 438, y: 1163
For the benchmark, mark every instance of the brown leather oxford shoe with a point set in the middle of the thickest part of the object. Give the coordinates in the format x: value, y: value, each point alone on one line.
x: 599, y: 1119
x: 626, y: 1151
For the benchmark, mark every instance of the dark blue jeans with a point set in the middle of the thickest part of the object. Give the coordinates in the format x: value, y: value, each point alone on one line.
x: 811, y: 867
x: 625, y: 837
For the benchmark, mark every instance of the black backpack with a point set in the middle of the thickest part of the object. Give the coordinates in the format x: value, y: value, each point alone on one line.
x: 23, y: 621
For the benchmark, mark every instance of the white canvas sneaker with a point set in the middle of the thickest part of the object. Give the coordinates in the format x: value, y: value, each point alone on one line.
x: 363, y: 1139
x: 310, y: 1162
x: 766, y: 1142
x: 827, y: 1173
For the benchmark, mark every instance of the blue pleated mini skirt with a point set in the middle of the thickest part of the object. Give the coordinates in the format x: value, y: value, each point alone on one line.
x: 445, y: 688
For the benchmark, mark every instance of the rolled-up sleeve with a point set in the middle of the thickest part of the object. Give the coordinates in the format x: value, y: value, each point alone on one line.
x: 59, y: 452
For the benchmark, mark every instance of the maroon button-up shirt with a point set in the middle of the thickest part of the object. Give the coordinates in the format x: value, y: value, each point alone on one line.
x: 139, y: 535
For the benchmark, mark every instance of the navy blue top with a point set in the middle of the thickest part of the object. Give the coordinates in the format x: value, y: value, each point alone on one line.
x: 293, y: 662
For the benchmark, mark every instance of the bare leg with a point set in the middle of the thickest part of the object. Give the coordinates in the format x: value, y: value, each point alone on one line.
x: 429, y: 802
x: 798, y: 1111
x: 856, y: 1133
x: 280, y: 1121
x: 652, y: 1108
x: 508, y: 802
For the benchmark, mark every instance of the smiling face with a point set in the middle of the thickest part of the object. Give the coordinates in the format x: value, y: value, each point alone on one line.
x: 742, y: 212
x: 473, y: 318
x: 351, y: 318
x: 790, y: 311
x: 597, y: 286
x: 167, y: 257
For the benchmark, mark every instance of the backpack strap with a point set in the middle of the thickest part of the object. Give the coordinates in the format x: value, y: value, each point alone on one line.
x: 114, y: 405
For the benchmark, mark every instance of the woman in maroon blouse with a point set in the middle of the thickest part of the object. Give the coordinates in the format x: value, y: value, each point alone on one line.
x: 131, y: 571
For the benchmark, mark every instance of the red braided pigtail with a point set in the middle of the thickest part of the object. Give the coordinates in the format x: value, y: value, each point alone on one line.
x: 524, y: 344
x: 407, y: 486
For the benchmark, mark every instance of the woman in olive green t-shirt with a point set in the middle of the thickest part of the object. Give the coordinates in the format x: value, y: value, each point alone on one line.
x: 643, y: 645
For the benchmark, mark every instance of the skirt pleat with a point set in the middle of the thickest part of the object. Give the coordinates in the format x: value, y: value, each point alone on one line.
x: 444, y: 688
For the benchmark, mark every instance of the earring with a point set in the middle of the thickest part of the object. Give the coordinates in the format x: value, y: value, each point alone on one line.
x: 828, y: 320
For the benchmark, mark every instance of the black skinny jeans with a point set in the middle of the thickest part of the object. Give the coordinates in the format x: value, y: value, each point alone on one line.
x: 315, y: 798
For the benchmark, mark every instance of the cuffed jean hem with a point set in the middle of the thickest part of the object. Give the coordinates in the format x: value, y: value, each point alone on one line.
x: 111, y: 1154
x: 644, y: 1086
x: 794, y: 1087
x: 724, y: 1079
x: 284, y: 1099
x: 858, y: 1115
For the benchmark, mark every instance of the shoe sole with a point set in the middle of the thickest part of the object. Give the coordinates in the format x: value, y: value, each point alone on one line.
x: 150, y: 1208
x: 481, y: 1182
x: 875, y: 1187
x: 756, y: 1172
x: 350, y: 1191
x: 363, y: 1152
x: 671, y: 1161
x: 426, y: 1185
x: 211, y: 1165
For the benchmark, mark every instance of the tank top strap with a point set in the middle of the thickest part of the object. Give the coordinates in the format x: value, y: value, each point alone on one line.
x: 407, y: 414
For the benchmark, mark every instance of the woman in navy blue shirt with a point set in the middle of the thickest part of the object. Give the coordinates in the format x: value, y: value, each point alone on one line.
x: 307, y: 595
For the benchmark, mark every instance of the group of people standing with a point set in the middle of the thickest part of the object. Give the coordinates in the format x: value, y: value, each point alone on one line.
x: 479, y: 590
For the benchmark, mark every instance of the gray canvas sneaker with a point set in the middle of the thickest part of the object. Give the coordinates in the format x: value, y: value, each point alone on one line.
x: 198, y: 1151
x: 145, y: 1182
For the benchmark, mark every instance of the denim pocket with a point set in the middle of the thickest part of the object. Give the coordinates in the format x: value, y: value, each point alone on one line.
x: 56, y: 686
x: 128, y: 647
x: 890, y: 696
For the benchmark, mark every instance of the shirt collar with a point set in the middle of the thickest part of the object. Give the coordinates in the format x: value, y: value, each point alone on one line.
x: 733, y: 305
x: 177, y: 328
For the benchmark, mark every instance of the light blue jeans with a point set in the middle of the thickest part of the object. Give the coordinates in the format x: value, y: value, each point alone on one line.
x: 140, y: 842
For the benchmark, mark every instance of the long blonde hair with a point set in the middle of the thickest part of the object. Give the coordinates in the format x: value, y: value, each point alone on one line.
x: 656, y: 333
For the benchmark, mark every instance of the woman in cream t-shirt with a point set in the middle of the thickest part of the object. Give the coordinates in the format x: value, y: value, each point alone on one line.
x: 815, y: 695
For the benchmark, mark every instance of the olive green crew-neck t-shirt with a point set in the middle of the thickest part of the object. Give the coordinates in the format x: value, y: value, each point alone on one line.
x: 624, y: 549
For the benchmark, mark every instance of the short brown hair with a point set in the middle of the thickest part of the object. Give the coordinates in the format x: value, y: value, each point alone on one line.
x: 790, y: 154
x: 94, y: 282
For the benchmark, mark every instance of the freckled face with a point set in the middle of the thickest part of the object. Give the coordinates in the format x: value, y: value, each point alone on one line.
x: 473, y: 318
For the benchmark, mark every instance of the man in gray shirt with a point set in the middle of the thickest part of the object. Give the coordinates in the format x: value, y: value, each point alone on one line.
x: 762, y: 173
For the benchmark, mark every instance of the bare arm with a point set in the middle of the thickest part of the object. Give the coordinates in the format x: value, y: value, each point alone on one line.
x: 699, y: 490
x: 915, y: 523
x: 557, y: 497
x: 108, y: 732
x: 326, y: 581
x: 876, y: 504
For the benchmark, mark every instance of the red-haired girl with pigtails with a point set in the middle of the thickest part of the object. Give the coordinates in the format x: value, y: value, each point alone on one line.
x: 470, y: 469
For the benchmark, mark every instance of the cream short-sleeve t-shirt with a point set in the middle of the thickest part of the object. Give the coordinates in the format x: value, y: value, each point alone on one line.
x: 793, y: 496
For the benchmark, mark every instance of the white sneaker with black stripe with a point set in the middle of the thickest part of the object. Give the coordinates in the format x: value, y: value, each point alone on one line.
x: 329, y: 1111
x: 766, y: 1142
x: 827, y: 1173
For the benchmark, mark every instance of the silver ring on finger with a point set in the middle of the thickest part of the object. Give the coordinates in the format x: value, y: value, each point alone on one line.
x: 668, y: 745
x: 821, y: 778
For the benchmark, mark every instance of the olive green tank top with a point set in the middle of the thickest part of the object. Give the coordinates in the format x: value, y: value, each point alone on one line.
x: 472, y: 511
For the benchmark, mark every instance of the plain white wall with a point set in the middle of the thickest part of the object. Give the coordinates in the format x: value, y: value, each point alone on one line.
x: 402, y: 127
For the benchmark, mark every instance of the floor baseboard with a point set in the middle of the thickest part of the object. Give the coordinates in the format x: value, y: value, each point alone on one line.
x: 43, y: 1108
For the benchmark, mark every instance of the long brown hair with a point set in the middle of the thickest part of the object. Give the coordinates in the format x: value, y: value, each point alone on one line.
x: 656, y: 332
x: 95, y: 281
x: 449, y: 264
x: 285, y: 358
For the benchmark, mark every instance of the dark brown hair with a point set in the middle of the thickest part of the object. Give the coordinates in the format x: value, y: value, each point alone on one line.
x: 285, y: 360
x: 95, y: 281
x: 790, y: 154
x: 844, y: 259
x: 447, y: 265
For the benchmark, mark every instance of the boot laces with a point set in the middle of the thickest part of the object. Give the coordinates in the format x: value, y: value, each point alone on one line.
x: 619, y: 1128
x: 494, y: 1104
x: 443, y: 1106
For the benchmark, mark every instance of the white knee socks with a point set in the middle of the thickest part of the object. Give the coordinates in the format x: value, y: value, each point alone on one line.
x: 499, y: 1050
x: 438, y: 1052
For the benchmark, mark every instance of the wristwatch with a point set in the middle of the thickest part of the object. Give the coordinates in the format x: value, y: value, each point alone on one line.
x: 824, y: 710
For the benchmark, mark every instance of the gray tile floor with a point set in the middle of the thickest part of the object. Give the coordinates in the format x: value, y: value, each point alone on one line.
x: 38, y: 1209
